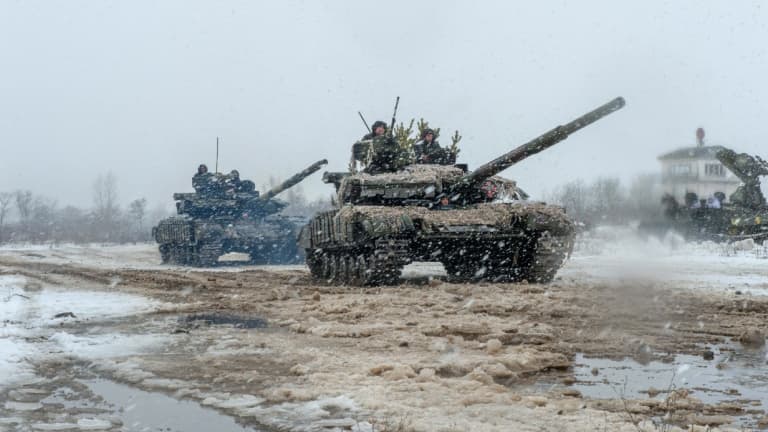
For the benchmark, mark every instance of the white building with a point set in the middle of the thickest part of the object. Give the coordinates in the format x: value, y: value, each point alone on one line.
x: 697, y: 170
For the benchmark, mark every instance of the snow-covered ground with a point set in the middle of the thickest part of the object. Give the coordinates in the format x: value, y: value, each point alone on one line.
x: 144, y: 256
x: 606, y: 253
x: 32, y: 313
x: 30, y: 330
x: 611, y: 253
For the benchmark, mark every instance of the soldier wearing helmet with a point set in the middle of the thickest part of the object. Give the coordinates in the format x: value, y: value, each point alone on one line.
x: 380, y: 151
x: 201, y: 181
x: 379, y: 128
x: 428, y: 150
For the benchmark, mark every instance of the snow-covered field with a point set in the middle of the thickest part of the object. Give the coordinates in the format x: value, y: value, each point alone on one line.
x: 30, y: 330
x: 611, y: 253
x: 606, y: 253
x: 31, y: 314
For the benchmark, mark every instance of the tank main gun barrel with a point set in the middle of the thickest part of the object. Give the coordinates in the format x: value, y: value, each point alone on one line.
x: 296, y: 178
x: 541, y: 142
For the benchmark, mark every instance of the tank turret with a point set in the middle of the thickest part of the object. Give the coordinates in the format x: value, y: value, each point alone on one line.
x: 478, y: 225
x: 424, y: 184
x: 229, y: 215
x: 748, y: 169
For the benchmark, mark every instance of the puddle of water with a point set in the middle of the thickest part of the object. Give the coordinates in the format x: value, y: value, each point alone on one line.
x: 732, y: 376
x: 144, y: 411
x: 237, y: 321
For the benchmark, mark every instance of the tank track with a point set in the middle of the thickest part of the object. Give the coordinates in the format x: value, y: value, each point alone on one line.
x: 379, y: 266
x: 537, y: 262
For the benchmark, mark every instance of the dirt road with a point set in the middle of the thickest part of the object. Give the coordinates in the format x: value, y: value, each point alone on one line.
x: 271, y: 349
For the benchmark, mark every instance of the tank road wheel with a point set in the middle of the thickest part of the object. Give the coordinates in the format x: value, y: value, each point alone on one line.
x: 350, y: 273
x: 333, y: 268
x: 325, y: 266
x: 359, y: 271
x: 384, y: 272
x: 543, y: 259
x: 165, y: 254
x: 176, y: 255
x: 459, y: 270
x: 315, y: 264
x: 390, y: 274
x: 342, y: 272
x: 209, y: 253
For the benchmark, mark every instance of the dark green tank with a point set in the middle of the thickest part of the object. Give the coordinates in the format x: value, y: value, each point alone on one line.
x: 478, y: 225
x: 743, y: 216
x: 221, y: 217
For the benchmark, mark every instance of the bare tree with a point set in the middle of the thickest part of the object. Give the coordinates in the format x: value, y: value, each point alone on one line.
x: 73, y: 225
x: 43, y: 221
x: 6, y: 199
x: 137, y: 210
x: 24, y: 204
x: 24, y: 209
x: 607, y: 202
x: 106, y: 209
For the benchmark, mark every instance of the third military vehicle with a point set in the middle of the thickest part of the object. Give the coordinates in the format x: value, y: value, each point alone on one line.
x: 478, y: 225
x: 221, y: 217
x: 743, y: 216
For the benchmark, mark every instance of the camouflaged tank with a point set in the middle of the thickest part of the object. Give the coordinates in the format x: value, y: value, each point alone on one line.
x: 217, y: 220
x: 478, y: 225
x: 743, y: 216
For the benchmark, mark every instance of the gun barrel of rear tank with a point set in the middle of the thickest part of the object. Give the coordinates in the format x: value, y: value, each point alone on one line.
x: 542, y: 142
x: 296, y: 178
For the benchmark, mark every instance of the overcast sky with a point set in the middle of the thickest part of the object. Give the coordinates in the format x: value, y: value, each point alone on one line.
x: 143, y: 88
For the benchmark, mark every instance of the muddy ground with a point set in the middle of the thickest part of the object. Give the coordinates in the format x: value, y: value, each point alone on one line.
x: 428, y: 355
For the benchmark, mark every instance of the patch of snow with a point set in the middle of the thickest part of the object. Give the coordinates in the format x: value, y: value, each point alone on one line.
x: 31, y: 313
x: 620, y: 253
x: 23, y: 406
x: 144, y: 256
x: 53, y: 426
x: 107, y: 345
x: 305, y: 416
x: 93, y: 424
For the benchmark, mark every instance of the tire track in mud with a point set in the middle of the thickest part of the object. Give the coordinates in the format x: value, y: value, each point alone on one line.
x: 510, y: 334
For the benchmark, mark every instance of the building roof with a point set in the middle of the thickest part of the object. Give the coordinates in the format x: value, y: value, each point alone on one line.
x: 698, y: 152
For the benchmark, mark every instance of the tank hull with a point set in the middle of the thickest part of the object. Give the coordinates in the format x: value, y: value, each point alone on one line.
x: 726, y: 224
x: 194, y: 242
x: 369, y: 245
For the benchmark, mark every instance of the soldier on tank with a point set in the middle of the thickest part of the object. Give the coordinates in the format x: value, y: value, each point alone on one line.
x: 202, y: 180
x: 381, y: 151
x: 428, y: 150
x: 235, y: 184
x: 232, y: 181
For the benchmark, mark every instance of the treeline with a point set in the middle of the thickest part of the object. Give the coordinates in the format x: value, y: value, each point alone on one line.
x: 606, y: 201
x: 29, y: 218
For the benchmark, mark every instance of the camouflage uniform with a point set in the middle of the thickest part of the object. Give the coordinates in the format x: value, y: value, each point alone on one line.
x: 380, y: 153
x: 386, y: 156
x: 202, y: 182
x: 431, y: 153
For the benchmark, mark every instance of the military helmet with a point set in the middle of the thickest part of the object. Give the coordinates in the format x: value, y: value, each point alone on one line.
x: 378, y: 123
